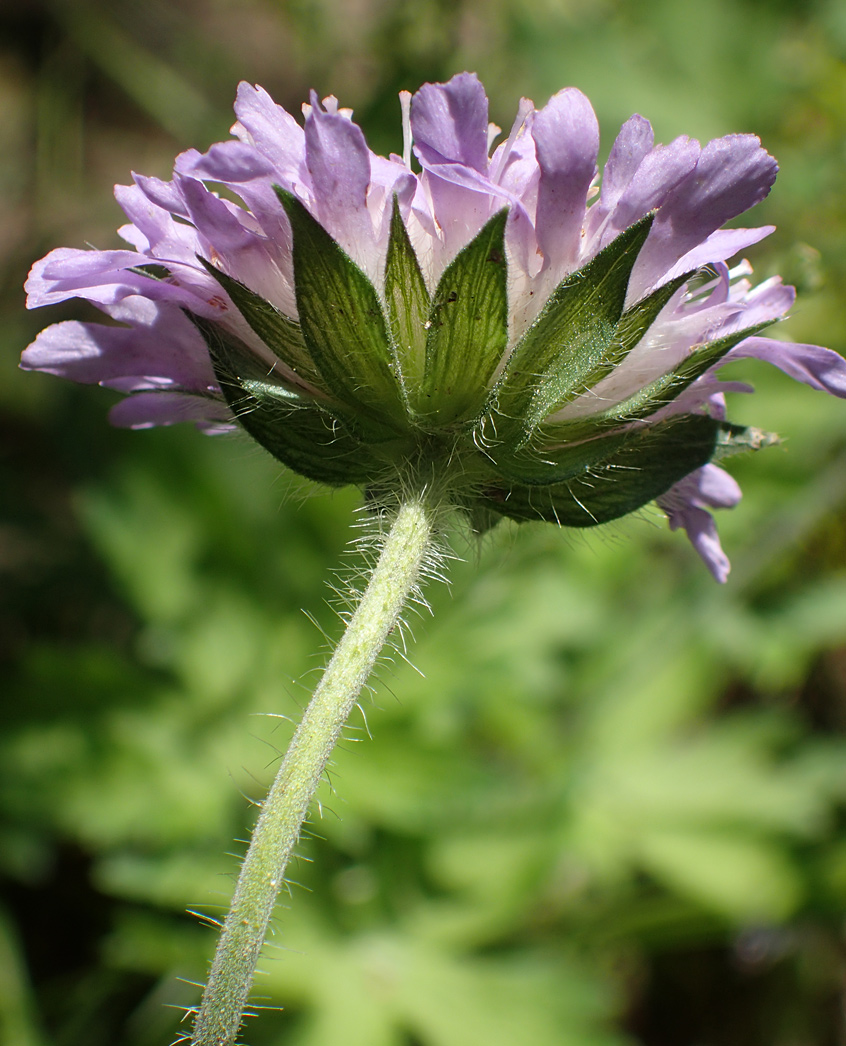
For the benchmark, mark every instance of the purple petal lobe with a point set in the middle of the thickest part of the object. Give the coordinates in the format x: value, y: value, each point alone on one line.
x: 163, y: 347
x: 686, y: 505
x: 69, y: 264
x: 701, y: 530
x: 338, y: 161
x: 813, y: 365
x: 732, y: 175
x: 632, y: 144
x: 217, y: 220
x: 715, y: 488
x: 225, y: 162
x: 718, y: 247
x: 266, y: 125
x: 449, y: 122
x: 769, y: 301
x: 660, y: 171
x: 566, y: 135
x: 162, y: 194
x: 162, y: 236
x: 144, y: 410
x: 240, y: 167
x: 63, y: 272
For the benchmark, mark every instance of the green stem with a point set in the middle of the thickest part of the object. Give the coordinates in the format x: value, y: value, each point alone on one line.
x: 394, y: 577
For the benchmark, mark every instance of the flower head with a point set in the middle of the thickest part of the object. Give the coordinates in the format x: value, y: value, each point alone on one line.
x: 548, y: 338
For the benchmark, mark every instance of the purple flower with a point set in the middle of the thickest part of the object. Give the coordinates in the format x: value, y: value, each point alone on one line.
x: 545, y: 337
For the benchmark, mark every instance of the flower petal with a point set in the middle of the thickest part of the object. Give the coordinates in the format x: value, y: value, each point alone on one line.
x: 145, y: 410
x: 632, y: 145
x: 449, y: 123
x: 718, y: 247
x: 686, y: 506
x: 338, y: 161
x: 649, y: 185
x: 162, y: 347
x: 274, y: 132
x: 155, y: 232
x: 566, y: 135
x: 164, y: 195
x: 813, y: 365
x: 731, y: 175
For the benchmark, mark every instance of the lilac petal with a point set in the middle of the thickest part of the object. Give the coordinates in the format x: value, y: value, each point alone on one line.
x: 107, y: 277
x: 449, y: 123
x: 566, y: 135
x: 165, y: 238
x: 231, y: 240
x: 515, y: 170
x: 196, y: 292
x: 686, y: 505
x: 145, y: 410
x: 69, y: 264
x: 241, y: 169
x: 338, y: 161
x: 702, y: 533
x: 495, y: 196
x: 514, y: 164
x: 732, y: 175
x: 64, y: 271
x: 388, y: 178
x: 768, y: 302
x: 522, y: 251
x: 632, y: 145
x: 715, y: 292
x: 718, y: 247
x: 393, y: 178
x: 132, y: 235
x: 520, y: 179
x: 813, y: 365
x: 661, y: 170
x: 225, y: 162
x: 164, y: 346
x: 267, y: 126
x: 462, y: 200
x: 714, y: 487
x: 164, y: 195
x: 707, y: 391
x: 217, y: 220
x: 148, y: 224
x: 250, y: 174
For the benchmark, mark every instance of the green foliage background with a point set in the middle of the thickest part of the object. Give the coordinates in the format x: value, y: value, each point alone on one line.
x: 611, y: 809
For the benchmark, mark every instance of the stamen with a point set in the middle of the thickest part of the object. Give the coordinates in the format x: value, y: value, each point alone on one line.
x: 743, y: 268
x: 405, y: 105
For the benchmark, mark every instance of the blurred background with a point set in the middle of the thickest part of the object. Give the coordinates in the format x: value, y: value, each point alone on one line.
x: 611, y: 811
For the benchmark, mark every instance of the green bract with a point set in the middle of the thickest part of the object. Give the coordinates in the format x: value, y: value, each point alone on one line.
x: 408, y: 380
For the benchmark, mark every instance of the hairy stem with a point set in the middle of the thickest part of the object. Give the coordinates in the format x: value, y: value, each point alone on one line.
x: 394, y: 578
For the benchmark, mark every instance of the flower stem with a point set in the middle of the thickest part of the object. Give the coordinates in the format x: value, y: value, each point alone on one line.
x: 394, y: 578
